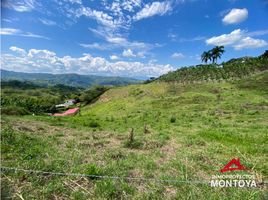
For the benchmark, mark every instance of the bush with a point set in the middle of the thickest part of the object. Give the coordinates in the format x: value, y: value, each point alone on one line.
x: 94, y: 124
x: 173, y: 119
x: 92, y: 170
x: 136, y: 144
x: 13, y: 110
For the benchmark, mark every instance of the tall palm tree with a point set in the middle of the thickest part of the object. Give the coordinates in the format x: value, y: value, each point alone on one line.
x: 206, y: 56
x: 216, y: 53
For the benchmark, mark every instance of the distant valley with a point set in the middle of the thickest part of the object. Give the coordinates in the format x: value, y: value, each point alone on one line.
x: 74, y: 80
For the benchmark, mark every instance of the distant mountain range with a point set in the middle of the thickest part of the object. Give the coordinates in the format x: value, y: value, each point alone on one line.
x: 75, y: 80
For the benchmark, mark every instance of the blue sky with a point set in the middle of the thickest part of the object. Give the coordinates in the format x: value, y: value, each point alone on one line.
x: 127, y: 37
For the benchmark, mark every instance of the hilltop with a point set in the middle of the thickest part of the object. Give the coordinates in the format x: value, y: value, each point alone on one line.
x: 233, y: 69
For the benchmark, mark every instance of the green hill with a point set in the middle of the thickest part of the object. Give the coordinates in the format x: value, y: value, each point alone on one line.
x: 74, y: 80
x: 231, y: 70
x: 182, y: 132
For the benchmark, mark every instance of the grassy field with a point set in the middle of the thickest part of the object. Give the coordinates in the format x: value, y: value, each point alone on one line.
x: 184, y: 132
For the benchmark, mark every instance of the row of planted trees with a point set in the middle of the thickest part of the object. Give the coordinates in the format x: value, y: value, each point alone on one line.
x: 233, y: 69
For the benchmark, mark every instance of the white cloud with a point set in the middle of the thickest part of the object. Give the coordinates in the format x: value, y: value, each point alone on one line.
x: 258, y: 33
x: 114, y: 57
x: 235, y: 16
x: 75, y: 1
x: 128, y: 53
x: 141, y: 54
x: 47, y: 22
x: 249, y: 43
x: 172, y: 36
x: 9, y: 31
x: 197, y: 38
x: 117, y: 41
x: 18, y: 32
x: 114, y: 19
x: 119, y: 7
x: 40, y: 53
x: 130, y: 5
x: 47, y: 61
x: 177, y: 55
x: 226, y: 39
x: 20, y: 5
x: 28, y: 34
x: 155, y: 8
x: 9, y: 20
x: 101, y: 17
x: 96, y: 45
x: 238, y: 39
x: 18, y: 50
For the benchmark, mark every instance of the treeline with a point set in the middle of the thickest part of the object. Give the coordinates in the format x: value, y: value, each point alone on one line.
x: 233, y: 69
x: 20, y: 98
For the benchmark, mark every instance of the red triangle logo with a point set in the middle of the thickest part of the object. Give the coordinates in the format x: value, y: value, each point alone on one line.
x: 229, y: 165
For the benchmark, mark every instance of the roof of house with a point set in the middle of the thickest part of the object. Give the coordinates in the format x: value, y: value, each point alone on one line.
x: 68, y: 112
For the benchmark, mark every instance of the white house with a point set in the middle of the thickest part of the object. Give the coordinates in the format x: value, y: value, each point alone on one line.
x: 67, y: 103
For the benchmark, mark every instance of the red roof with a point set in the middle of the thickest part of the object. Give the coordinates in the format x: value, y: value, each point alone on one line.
x: 71, y: 111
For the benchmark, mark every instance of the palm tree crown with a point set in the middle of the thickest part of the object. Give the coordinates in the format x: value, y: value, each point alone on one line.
x: 212, y: 54
x: 217, y: 53
x: 206, y: 56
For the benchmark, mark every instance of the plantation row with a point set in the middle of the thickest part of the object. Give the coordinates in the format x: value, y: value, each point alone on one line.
x: 233, y: 69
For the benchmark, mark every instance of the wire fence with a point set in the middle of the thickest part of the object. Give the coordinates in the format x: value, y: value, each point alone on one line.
x: 204, y: 182
x: 3, y: 169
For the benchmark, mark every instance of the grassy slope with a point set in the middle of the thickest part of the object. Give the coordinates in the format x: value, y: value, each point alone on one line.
x: 192, y: 132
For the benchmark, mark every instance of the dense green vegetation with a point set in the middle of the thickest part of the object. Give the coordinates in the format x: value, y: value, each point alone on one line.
x: 161, y: 130
x: 91, y: 95
x: 74, y: 80
x: 233, y: 69
x: 21, y: 98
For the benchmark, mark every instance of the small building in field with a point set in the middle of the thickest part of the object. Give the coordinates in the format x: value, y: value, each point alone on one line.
x: 67, y: 103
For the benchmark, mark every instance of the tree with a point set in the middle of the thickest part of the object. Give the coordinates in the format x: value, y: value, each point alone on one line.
x: 206, y: 56
x: 92, y: 94
x: 216, y: 53
x: 264, y: 55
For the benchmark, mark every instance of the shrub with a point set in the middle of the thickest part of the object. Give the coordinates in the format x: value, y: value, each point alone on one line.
x: 94, y: 124
x: 136, y: 92
x: 14, y: 110
x: 131, y: 142
x: 173, y: 119
x: 92, y: 170
x: 133, y: 145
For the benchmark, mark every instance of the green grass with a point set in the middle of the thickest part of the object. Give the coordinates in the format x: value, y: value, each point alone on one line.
x: 185, y: 132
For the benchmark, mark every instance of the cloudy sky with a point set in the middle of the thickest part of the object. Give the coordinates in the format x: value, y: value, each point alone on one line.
x: 127, y: 37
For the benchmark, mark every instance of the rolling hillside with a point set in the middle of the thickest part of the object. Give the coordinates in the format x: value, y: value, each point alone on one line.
x: 74, y: 80
x: 183, y: 132
x: 231, y: 70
